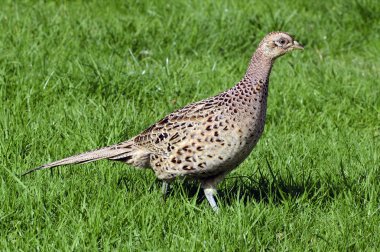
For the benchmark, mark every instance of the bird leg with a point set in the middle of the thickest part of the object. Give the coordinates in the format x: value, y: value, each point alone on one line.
x: 209, y: 193
x: 165, y: 189
x: 209, y: 188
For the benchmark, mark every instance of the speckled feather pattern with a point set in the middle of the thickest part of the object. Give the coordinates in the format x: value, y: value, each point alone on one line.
x: 206, y: 139
x: 209, y: 137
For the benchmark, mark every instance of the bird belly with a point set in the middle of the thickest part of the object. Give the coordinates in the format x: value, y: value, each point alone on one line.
x: 208, y: 156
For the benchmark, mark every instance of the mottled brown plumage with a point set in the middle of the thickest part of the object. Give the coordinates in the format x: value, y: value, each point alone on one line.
x: 207, y: 139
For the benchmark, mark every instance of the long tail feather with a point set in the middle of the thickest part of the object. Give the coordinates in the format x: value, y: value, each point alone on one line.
x: 90, y: 156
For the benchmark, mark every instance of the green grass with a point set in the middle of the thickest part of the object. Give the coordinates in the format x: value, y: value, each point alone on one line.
x: 78, y: 75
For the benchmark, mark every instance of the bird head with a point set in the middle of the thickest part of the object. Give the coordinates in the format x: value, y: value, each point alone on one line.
x: 276, y: 44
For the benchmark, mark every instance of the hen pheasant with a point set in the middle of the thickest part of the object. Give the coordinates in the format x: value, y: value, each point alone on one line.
x: 207, y: 139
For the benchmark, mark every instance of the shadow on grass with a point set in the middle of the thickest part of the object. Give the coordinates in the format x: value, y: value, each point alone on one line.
x: 265, y: 186
x: 268, y: 188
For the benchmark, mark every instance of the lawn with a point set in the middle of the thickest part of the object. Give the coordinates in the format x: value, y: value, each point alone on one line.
x: 76, y: 75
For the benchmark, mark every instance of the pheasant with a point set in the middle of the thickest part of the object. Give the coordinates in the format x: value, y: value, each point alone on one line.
x: 204, y: 140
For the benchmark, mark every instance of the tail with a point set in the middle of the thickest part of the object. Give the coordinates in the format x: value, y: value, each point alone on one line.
x: 121, y: 152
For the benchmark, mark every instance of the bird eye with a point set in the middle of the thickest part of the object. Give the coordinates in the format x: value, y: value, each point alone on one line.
x: 281, y: 42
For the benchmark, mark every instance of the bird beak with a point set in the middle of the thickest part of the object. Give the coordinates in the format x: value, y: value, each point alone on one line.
x: 297, y: 45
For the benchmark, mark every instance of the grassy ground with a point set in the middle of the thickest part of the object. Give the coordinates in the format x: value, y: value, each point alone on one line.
x: 75, y: 76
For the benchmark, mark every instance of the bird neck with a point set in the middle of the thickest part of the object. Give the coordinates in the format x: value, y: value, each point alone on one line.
x: 259, y: 68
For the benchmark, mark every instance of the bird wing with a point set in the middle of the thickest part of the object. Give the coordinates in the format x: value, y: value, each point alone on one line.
x: 172, y: 129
